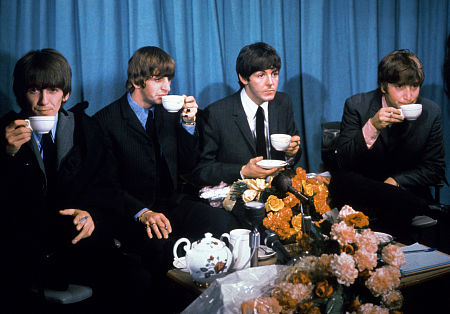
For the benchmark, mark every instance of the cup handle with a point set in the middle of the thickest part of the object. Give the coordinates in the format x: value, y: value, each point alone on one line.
x: 29, y: 124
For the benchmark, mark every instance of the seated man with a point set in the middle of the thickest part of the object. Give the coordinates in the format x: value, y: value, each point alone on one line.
x: 54, y: 188
x: 232, y: 134
x: 151, y: 148
x: 385, y: 162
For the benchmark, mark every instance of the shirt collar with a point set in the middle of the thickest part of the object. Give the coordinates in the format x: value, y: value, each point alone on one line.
x: 141, y: 112
x: 250, y: 107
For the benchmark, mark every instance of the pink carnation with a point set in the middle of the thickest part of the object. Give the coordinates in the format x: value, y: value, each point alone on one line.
x: 367, y: 241
x: 365, y: 260
x: 343, y: 267
x: 393, y: 299
x: 342, y: 233
x: 383, y: 280
x: 345, y: 211
x: 293, y: 292
x: 393, y: 255
x: 370, y: 308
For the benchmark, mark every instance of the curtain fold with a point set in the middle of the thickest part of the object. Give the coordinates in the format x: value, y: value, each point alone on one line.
x: 330, y: 49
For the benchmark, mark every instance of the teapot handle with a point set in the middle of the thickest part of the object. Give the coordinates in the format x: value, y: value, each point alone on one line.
x: 225, y: 235
x: 187, y: 247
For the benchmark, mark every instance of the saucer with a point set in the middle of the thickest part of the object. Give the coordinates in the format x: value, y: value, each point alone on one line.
x: 180, y: 263
x: 265, y: 252
x: 271, y: 163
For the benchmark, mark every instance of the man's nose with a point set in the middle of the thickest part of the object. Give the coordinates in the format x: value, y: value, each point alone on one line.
x: 408, y: 93
x: 166, y: 84
x: 269, y: 80
x: 44, y: 97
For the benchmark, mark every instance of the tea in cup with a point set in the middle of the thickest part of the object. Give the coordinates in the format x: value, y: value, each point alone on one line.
x: 173, y: 103
x: 280, y: 141
x: 411, y: 111
x: 41, y: 124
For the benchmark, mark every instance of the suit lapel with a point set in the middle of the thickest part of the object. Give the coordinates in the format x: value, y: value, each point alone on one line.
x: 64, y: 135
x: 130, y: 118
x: 240, y: 119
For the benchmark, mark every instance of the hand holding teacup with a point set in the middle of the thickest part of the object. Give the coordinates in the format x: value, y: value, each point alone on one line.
x: 173, y: 103
x: 17, y: 133
x: 190, y: 108
x: 386, y: 116
x: 286, y: 143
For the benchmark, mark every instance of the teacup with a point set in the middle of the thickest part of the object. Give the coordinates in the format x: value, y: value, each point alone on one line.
x: 173, y: 103
x: 41, y: 124
x: 411, y: 111
x: 280, y: 141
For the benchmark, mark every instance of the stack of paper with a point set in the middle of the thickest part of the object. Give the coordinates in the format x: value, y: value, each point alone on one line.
x: 420, y: 260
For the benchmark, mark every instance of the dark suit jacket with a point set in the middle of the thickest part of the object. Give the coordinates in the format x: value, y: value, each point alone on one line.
x: 34, y: 226
x: 228, y: 142
x: 411, y: 152
x: 133, y: 152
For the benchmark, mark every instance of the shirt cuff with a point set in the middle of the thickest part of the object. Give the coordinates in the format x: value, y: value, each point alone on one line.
x: 370, y: 134
x: 189, y: 128
x: 136, y: 217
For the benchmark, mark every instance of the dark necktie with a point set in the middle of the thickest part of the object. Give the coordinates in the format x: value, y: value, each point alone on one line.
x: 49, y: 156
x: 260, y: 136
x: 151, y: 130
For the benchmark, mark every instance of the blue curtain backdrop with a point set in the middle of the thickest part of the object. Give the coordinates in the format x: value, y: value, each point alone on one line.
x: 329, y: 48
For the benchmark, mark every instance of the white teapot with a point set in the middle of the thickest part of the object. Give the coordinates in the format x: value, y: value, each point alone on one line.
x: 207, y: 259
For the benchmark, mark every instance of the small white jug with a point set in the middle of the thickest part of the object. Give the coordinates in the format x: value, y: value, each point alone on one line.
x: 239, y: 240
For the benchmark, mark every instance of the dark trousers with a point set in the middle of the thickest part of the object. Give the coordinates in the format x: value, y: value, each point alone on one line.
x: 390, y: 208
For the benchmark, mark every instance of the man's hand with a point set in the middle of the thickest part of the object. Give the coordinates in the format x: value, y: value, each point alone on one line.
x: 156, y: 222
x: 386, y: 117
x: 252, y: 170
x: 294, y: 146
x: 17, y: 133
x: 83, y: 222
x: 391, y: 181
x: 190, y: 108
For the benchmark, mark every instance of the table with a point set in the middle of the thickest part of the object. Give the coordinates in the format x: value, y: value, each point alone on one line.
x: 184, y: 279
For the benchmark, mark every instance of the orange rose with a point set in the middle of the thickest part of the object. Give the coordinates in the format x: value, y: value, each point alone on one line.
x: 354, y: 305
x: 358, y: 219
x: 274, y: 204
x: 349, y: 249
x: 299, y: 277
x: 324, y: 289
x: 297, y: 222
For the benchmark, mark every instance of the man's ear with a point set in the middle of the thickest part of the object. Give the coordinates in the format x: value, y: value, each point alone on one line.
x: 65, y: 98
x: 243, y: 81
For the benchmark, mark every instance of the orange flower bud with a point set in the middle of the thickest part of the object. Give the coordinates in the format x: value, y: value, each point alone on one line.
x: 324, y: 289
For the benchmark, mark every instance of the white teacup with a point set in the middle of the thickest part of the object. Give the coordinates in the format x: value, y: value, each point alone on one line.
x: 239, y: 240
x: 173, y: 103
x: 411, y: 111
x: 280, y: 141
x: 41, y: 124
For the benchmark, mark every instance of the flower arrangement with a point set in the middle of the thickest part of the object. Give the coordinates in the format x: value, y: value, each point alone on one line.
x: 283, y: 211
x: 352, y: 271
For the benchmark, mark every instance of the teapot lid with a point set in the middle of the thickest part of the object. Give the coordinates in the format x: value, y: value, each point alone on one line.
x: 208, y: 243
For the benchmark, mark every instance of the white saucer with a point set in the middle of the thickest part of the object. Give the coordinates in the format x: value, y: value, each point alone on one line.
x: 271, y: 163
x: 384, y: 237
x: 180, y: 263
x: 265, y: 252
